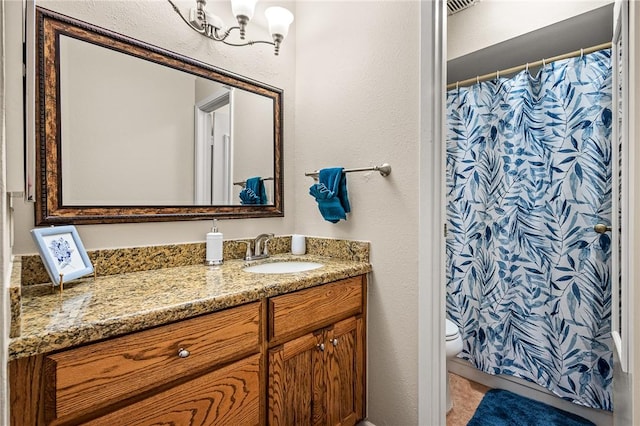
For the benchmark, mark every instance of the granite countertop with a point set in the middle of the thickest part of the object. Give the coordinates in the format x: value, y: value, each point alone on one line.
x: 89, y: 310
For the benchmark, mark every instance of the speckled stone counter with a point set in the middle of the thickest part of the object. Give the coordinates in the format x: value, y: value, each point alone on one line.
x: 89, y: 310
x: 15, y: 298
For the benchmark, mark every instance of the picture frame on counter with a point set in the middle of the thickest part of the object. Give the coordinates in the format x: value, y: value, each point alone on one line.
x: 62, y: 252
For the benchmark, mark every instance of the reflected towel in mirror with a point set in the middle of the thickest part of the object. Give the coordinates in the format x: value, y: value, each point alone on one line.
x: 254, y: 192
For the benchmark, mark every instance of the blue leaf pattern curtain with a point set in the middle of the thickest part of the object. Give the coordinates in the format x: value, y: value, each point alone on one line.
x: 528, y: 176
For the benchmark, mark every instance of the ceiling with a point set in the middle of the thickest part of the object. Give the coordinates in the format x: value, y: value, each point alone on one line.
x: 586, y: 30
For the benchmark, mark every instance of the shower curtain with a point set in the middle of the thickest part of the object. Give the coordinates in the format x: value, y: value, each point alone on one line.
x: 528, y: 176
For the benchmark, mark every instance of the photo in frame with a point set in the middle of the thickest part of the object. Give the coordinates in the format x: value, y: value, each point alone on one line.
x: 62, y: 253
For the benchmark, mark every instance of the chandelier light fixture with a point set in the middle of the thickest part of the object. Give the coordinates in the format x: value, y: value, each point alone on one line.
x: 211, y: 26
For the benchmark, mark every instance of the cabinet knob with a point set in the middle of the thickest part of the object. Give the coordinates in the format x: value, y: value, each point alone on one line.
x: 334, y: 341
x: 320, y: 347
x: 183, y: 353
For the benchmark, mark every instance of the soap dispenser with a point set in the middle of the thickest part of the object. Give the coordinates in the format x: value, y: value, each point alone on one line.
x: 214, y: 246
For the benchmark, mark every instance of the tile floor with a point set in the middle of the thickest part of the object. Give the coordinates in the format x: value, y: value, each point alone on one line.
x: 466, y: 397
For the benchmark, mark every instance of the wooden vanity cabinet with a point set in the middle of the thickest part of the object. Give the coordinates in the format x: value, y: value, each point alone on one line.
x: 293, y: 359
x: 317, y: 355
x: 206, y: 369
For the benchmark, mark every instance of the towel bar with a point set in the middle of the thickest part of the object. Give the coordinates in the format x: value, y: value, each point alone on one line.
x: 385, y: 170
x: 244, y: 182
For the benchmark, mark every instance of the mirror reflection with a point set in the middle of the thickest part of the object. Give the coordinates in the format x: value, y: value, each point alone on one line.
x: 179, y: 139
x: 135, y: 133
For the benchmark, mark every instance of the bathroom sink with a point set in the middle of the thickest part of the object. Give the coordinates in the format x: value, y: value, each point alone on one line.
x: 283, y: 267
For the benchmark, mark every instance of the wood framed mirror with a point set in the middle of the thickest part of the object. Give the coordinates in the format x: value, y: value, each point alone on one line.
x: 129, y: 132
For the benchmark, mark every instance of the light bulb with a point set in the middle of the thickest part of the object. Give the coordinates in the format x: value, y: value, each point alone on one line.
x: 279, y: 20
x: 243, y: 8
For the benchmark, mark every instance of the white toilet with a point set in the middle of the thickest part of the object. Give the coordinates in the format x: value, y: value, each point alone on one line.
x: 453, y: 347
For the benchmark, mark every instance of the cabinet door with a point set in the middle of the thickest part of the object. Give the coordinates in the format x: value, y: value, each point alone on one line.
x: 296, y: 382
x: 345, y: 371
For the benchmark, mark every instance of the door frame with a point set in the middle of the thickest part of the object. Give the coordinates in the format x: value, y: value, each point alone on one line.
x: 203, y: 158
x: 431, y: 219
x: 626, y: 387
x: 621, y: 194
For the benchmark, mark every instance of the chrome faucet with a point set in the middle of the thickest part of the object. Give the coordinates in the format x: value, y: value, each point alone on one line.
x: 260, y: 248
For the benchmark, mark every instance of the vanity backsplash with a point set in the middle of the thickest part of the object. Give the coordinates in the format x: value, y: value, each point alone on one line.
x: 125, y: 260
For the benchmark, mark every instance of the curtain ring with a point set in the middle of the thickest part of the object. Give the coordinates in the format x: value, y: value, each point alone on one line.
x: 581, y: 52
x: 477, y: 79
x: 498, y: 75
x: 457, y: 85
x: 544, y: 64
x: 527, y: 67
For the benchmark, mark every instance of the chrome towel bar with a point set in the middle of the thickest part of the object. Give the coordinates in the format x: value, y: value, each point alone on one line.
x: 244, y: 182
x: 385, y: 170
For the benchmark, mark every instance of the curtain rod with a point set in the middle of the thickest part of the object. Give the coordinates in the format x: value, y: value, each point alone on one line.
x: 513, y: 70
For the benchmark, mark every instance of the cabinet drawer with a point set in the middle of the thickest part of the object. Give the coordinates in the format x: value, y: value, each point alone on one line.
x: 90, y: 377
x: 228, y: 396
x: 310, y: 309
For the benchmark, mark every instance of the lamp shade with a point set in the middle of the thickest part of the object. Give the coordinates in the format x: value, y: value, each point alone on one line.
x: 243, y: 7
x: 279, y: 20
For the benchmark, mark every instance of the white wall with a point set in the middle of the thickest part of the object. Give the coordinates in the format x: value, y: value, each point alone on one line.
x: 155, y: 22
x: 357, y: 102
x: 492, y: 21
x: 100, y: 162
x: 13, y: 99
x: 4, y: 228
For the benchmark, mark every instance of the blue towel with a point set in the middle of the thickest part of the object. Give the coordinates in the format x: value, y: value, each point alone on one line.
x: 331, y: 194
x: 253, y: 192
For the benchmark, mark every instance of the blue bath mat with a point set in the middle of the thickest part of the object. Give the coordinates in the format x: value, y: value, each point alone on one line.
x: 503, y: 408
